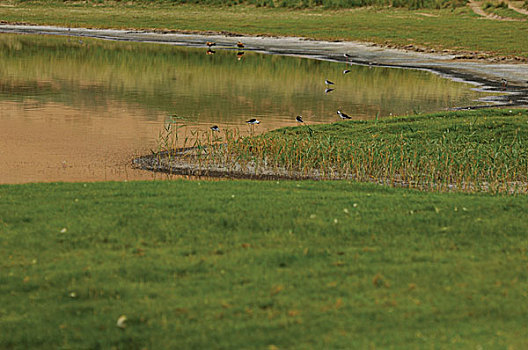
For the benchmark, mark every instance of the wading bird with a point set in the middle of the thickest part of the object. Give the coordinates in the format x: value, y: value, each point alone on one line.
x: 215, y: 128
x: 347, y: 55
x: 253, y: 121
x: 210, y: 43
x: 299, y: 119
x: 343, y: 115
x: 240, y: 45
x: 328, y: 82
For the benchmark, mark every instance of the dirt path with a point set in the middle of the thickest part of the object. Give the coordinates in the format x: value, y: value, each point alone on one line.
x: 517, y: 9
x: 476, y: 7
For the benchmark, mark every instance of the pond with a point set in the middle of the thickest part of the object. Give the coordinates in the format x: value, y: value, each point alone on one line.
x: 80, y: 110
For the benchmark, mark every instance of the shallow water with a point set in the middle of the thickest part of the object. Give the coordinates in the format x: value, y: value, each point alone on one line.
x: 80, y: 110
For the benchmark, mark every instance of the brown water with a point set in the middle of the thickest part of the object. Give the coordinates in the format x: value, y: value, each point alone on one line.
x: 75, y: 110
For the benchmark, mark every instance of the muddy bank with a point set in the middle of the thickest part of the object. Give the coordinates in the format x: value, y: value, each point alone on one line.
x: 469, y: 67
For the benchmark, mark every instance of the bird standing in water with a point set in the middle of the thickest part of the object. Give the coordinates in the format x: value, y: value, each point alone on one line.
x: 210, y: 43
x: 328, y: 82
x: 215, y: 128
x: 253, y: 121
x: 240, y: 45
x: 343, y: 115
x: 299, y: 119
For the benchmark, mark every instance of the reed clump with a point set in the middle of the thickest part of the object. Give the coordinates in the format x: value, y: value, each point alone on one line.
x: 459, y: 151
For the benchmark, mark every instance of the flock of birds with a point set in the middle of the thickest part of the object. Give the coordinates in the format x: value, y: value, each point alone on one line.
x: 239, y: 45
x: 299, y: 119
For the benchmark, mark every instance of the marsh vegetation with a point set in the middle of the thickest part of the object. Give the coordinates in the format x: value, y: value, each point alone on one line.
x: 457, y: 151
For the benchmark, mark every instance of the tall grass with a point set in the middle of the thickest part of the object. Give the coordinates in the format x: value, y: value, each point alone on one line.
x: 456, y: 152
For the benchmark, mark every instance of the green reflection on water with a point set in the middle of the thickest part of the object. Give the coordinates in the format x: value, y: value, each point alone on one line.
x: 217, y: 88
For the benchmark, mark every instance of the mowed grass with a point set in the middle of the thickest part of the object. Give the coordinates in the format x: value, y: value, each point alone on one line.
x: 459, y: 29
x: 260, y: 265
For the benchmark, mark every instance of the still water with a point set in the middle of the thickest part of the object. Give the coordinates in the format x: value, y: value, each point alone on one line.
x: 73, y: 110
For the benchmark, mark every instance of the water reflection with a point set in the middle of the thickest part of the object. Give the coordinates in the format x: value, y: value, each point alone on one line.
x: 114, y: 97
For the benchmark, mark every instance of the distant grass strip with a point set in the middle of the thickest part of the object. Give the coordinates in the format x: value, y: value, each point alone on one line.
x: 483, y: 150
x: 260, y: 265
x: 459, y: 29
x: 297, y: 4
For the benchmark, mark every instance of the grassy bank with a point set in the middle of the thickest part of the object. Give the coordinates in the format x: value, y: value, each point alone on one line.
x: 260, y: 265
x: 482, y: 150
x: 429, y: 29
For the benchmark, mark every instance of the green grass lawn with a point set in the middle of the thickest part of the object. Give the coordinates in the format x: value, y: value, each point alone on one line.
x: 260, y: 265
x: 458, y: 29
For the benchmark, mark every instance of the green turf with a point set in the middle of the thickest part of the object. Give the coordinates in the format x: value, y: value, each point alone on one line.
x: 260, y: 265
x: 459, y: 29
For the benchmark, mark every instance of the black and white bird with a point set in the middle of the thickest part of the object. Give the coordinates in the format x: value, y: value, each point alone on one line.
x: 347, y: 55
x: 343, y: 115
x: 327, y: 90
x: 299, y: 119
x: 328, y: 82
x: 253, y: 121
x: 346, y: 71
x: 215, y: 128
x: 210, y: 43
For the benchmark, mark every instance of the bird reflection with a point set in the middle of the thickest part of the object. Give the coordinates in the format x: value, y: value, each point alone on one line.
x: 240, y: 55
x: 210, y: 52
x: 327, y: 90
